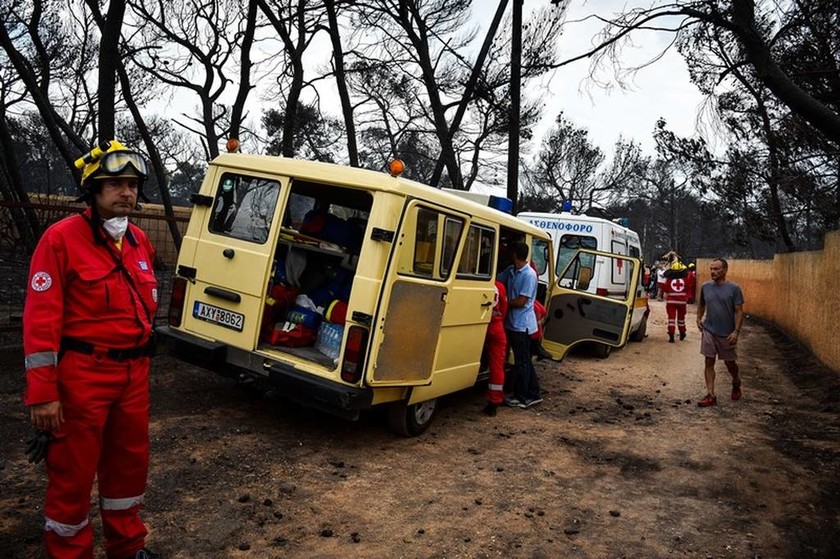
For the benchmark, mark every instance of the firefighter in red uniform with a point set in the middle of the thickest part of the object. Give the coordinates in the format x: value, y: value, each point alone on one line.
x: 676, y: 295
x: 88, y: 320
x: 496, y: 345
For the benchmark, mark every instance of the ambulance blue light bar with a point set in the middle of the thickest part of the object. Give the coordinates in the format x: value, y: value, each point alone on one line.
x: 501, y: 203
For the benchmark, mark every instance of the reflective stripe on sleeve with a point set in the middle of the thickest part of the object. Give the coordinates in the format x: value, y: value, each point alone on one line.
x: 42, y: 359
x: 121, y: 504
x: 499, y: 387
x: 64, y: 530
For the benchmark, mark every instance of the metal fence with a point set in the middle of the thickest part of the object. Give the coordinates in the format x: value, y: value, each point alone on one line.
x: 14, y: 260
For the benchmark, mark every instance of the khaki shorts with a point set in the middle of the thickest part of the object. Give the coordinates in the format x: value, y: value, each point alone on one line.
x: 716, y: 346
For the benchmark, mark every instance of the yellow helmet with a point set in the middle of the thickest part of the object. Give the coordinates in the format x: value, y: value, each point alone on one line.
x: 111, y: 159
x: 677, y: 266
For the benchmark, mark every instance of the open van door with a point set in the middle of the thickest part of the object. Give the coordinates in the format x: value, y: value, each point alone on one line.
x: 576, y: 316
x: 430, y: 322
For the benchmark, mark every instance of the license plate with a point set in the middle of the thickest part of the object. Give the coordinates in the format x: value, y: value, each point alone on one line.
x: 222, y: 317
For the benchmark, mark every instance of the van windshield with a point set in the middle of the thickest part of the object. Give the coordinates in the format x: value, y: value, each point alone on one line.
x: 568, y: 245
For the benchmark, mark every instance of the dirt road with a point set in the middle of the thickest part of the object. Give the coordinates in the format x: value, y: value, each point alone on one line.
x: 617, y: 462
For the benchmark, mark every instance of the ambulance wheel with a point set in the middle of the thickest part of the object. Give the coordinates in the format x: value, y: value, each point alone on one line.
x: 641, y: 331
x: 602, y: 351
x: 411, y: 420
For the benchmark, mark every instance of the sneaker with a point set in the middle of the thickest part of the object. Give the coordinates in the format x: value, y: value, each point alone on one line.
x: 513, y: 402
x: 534, y: 402
x: 682, y: 336
x: 146, y: 554
x: 736, y: 390
x: 709, y: 400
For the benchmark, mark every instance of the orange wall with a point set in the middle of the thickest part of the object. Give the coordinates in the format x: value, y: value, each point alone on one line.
x: 799, y: 292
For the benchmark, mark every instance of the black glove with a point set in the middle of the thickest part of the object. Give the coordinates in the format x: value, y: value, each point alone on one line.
x: 36, y: 447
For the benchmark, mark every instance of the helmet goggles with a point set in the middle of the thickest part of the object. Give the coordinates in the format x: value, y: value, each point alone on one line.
x: 115, y: 164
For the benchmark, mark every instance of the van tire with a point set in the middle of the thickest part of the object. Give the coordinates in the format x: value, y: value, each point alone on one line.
x: 602, y: 351
x: 640, y: 333
x: 411, y: 420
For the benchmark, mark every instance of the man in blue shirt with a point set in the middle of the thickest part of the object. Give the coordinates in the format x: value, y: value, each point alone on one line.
x: 520, y: 324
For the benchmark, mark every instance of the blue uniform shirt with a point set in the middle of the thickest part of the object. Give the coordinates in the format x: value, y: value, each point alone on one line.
x: 522, y: 282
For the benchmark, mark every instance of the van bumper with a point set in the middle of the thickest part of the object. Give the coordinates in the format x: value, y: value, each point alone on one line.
x: 309, y: 390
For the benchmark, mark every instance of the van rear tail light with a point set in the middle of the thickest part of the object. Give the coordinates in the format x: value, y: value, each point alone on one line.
x: 176, y: 302
x: 353, y: 362
x: 602, y: 292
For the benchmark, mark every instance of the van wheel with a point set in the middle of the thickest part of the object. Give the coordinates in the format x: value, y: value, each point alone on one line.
x: 411, y: 420
x: 602, y: 351
x: 641, y: 331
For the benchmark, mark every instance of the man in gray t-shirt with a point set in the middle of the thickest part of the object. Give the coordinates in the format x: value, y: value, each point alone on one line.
x: 722, y: 305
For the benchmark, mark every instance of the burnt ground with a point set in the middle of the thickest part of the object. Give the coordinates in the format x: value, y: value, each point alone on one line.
x: 617, y: 462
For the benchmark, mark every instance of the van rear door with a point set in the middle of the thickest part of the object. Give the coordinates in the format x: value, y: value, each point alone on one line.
x: 575, y: 315
x: 235, y: 227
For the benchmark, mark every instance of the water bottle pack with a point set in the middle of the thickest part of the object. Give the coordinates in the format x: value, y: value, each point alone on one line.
x: 329, y: 339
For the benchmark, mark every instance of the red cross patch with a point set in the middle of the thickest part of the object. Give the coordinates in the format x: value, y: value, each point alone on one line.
x: 41, y: 281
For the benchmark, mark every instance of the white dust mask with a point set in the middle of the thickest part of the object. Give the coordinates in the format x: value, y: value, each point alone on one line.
x: 116, y: 227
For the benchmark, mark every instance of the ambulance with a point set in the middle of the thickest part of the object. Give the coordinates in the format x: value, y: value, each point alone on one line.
x: 610, y: 277
x: 346, y: 289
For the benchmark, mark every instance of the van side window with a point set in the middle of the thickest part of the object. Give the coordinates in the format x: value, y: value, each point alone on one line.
x: 568, y: 245
x: 436, y: 239
x: 579, y: 273
x: 618, y: 247
x: 477, y: 258
x: 539, y: 255
x: 244, y: 207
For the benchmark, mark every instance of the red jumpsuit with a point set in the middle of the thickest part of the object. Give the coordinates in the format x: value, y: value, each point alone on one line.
x: 88, y: 322
x: 691, y: 285
x: 676, y: 295
x: 496, y: 344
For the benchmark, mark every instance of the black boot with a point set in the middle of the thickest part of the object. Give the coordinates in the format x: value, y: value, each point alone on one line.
x: 490, y: 409
x: 682, y: 336
x: 670, y: 338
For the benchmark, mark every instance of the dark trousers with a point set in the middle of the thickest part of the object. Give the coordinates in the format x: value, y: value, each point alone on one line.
x: 526, y: 386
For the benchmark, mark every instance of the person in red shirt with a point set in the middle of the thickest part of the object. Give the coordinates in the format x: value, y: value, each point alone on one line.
x: 691, y: 282
x: 87, y: 332
x: 676, y: 295
x: 495, y: 343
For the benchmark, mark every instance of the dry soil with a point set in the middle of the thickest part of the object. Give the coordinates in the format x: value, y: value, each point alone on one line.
x: 617, y: 462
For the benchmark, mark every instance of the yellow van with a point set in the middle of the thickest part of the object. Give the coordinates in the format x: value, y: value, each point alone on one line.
x: 347, y: 288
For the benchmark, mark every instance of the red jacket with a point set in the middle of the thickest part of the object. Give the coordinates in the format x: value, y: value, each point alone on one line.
x: 500, y: 305
x: 676, y: 290
x: 691, y: 283
x: 81, y: 286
